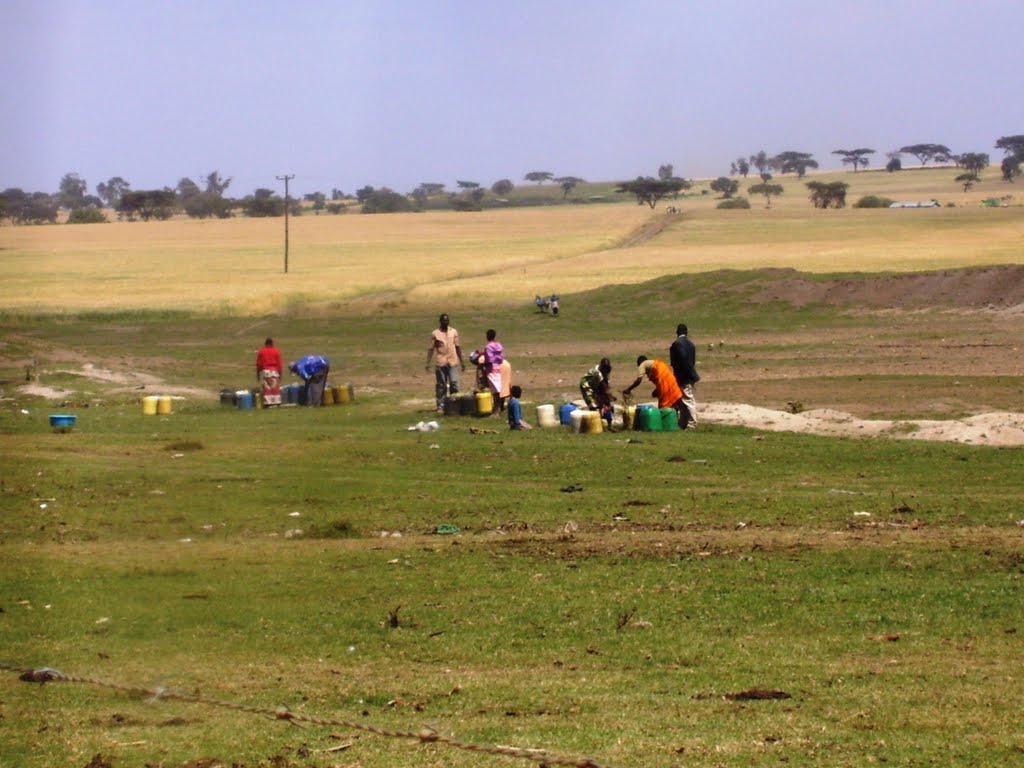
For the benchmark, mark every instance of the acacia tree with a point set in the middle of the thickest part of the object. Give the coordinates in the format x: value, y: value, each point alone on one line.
x: 762, y: 162
x: 568, y: 184
x: 768, y: 190
x: 664, y: 171
x: 1010, y: 168
x: 790, y: 162
x: 828, y: 195
x: 974, y: 162
x: 925, y: 153
x: 263, y: 203
x: 539, y: 176
x: 854, y: 157
x: 318, y: 199
x: 502, y: 187
x: 650, y: 190
x: 968, y: 180
x: 427, y: 189
x: 726, y: 186
x: 739, y: 167
x: 147, y: 204
x: 215, y: 185
x: 110, y: 191
x: 1013, y: 147
x: 72, y: 191
x: 24, y: 208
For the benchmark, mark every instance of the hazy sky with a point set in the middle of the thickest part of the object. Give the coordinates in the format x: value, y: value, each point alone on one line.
x: 398, y: 92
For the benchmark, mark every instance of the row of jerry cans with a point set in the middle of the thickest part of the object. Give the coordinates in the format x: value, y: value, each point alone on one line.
x: 291, y: 394
x: 339, y: 395
x: 643, y: 418
x: 472, y: 404
x: 156, y: 404
x: 650, y: 418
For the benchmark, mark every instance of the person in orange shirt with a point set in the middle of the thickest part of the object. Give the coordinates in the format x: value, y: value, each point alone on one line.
x: 665, y: 387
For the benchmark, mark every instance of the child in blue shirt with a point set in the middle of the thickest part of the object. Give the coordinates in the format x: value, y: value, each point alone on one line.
x: 515, y: 409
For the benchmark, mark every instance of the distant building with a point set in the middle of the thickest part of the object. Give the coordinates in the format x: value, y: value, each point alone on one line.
x: 916, y: 204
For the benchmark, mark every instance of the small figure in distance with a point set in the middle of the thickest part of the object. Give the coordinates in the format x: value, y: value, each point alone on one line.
x: 447, y: 356
x: 683, y: 356
x: 553, y: 303
x: 313, y: 370
x: 596, y: 388
x: 269, y: 369
x: 515, y: 410
x: 665, y: 387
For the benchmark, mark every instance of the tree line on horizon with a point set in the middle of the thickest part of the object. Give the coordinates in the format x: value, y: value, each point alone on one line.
x: 210, y: 201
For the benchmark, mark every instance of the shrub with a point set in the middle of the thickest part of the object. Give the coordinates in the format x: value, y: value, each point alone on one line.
x: 873, y: 201
x: 734, y: 202
x: 87, y: 216
x: 385, y: 200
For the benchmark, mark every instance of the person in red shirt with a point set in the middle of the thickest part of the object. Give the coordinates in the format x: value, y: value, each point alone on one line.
x: 268, y: 370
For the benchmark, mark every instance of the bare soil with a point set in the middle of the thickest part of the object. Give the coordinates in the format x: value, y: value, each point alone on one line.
x: 998, y: 287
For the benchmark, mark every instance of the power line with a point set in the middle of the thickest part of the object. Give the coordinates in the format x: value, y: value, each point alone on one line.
x: 287, y: 204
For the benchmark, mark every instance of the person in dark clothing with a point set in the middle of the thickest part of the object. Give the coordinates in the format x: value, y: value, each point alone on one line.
x: 683, y: 356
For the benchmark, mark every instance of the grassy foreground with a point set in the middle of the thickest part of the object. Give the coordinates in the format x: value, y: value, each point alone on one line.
x: 242, y: 555
x: 290, y: 558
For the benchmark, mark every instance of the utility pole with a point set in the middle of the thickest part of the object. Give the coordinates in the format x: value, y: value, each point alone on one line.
x: 286, y: 178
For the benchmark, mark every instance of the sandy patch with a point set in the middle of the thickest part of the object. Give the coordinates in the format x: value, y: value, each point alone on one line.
x: 132, y: 381
x: 994, y: 429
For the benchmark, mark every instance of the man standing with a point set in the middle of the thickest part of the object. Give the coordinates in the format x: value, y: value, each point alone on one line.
x: 268, y: 370
x: 683, y: 355
x: 447, y: 354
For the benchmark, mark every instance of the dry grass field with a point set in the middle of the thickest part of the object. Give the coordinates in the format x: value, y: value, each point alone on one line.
x: 236, y: 266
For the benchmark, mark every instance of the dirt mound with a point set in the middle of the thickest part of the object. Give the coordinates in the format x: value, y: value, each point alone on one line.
x: 999, y: 287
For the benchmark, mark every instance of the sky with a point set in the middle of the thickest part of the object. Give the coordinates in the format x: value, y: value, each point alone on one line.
x: 343, y: 94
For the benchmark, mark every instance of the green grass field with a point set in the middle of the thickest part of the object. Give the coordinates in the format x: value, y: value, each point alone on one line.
x: 291, y: 558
